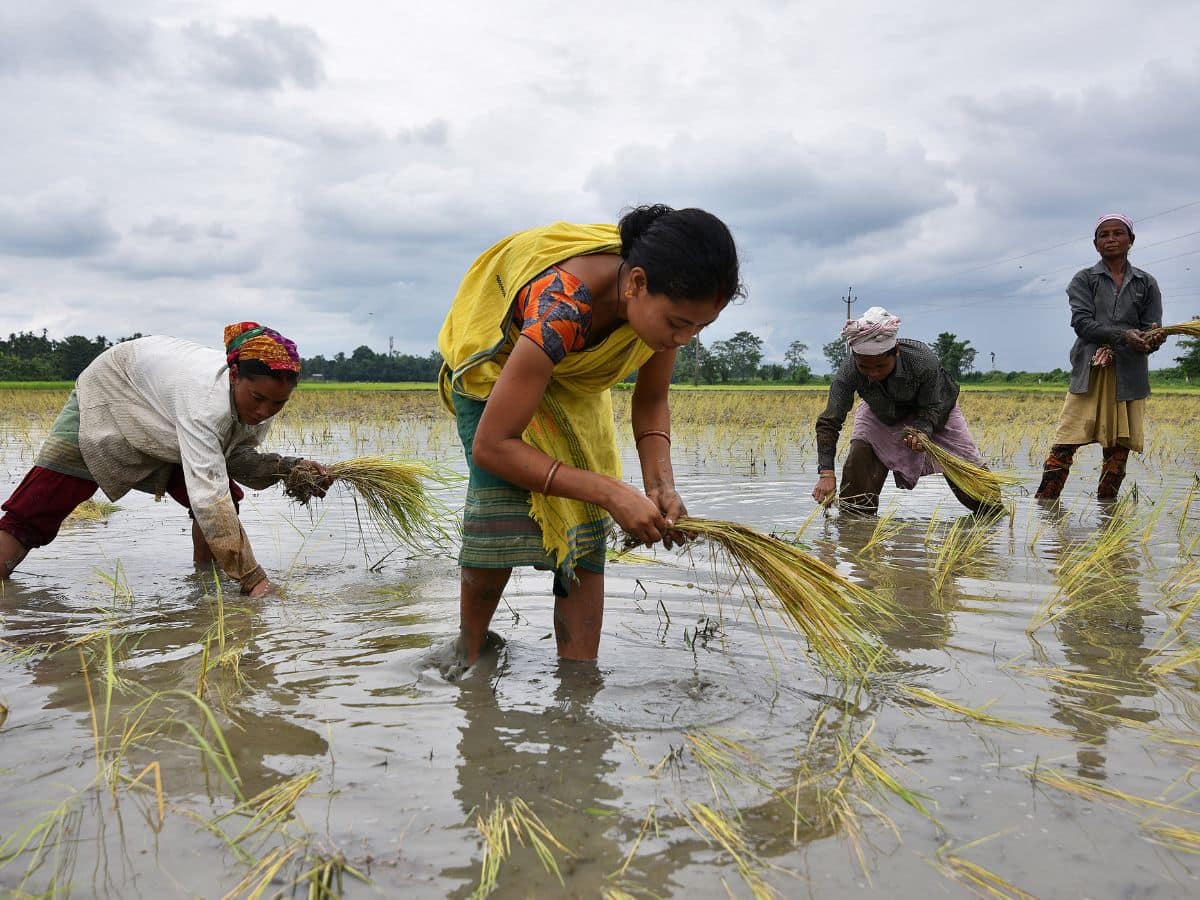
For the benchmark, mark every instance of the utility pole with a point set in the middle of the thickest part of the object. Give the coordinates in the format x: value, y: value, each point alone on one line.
x: 391, y: 350
x: 993, y: 355
x: 696, y: 360
x: 848, y: 299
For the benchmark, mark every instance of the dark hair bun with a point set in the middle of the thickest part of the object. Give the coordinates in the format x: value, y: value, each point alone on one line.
x: 687, y: 254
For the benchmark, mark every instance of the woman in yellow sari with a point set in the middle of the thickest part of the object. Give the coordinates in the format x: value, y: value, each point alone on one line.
x: 542, y: 326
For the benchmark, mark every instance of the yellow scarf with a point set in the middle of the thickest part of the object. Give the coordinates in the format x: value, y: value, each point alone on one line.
x: 574, y: 421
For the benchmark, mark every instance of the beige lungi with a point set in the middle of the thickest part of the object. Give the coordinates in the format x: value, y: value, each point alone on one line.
x: 1097, y: 417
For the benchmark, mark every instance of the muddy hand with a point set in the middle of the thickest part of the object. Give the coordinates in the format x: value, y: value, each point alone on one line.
x: 321, y: 478
x: 670, y: 504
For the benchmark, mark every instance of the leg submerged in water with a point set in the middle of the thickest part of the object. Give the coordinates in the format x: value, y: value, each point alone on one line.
x: 578, y: 617
x: 12, y: 552
x: 863, y: 476
x: 1055, y: 471
x: 479, y: 595
x: 1112, y: 472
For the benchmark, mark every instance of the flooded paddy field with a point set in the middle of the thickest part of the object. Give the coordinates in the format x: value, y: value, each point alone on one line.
x: 1032, y: 729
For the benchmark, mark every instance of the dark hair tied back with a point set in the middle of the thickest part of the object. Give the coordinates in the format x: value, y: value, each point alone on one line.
x: 687, y: 254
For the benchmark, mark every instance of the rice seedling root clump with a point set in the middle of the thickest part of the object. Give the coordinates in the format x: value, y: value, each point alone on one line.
x: 394, y: 491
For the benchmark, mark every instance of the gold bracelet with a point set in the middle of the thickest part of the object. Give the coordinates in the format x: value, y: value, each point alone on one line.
x: 645, y: 434
x: 550, y: 476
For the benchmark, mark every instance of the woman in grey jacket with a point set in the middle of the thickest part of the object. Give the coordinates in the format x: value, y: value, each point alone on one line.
x: 1113, y: 305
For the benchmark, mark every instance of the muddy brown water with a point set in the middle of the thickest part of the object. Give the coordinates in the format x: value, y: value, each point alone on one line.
x: 334, y: 678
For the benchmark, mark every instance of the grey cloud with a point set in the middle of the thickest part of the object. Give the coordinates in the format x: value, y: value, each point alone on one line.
x: 167, y: 247
x: 434, y: 133
x: 1061, y: 156
x: 257, y: 55
x: 64, y: 220
x: 776, y: 187
x: 172, y: 229
x: 67, y: 36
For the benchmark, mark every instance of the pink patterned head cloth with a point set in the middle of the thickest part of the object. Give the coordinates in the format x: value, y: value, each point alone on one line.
x: 872, y: 333
x: 1113, y: 217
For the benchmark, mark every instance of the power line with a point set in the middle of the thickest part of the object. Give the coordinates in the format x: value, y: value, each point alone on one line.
x: 1030, y: 253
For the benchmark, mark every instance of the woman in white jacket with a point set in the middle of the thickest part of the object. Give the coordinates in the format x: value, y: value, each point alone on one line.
x: 166, y: 416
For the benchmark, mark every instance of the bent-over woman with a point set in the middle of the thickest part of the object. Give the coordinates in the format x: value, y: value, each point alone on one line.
x: 1113, y: 305
x: 165, y: 416
x: 544, y: 323
x: 902, y: 384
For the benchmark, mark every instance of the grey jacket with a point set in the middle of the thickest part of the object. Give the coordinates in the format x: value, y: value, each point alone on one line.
x: 1099, y: 316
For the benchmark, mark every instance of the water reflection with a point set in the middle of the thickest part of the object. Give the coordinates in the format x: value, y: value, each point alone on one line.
x: 1103, y: 636
x: 551, y: 755
x: 158, y: 652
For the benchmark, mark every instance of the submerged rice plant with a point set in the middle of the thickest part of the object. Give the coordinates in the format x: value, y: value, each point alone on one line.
x: 507, y: 821
x: 714, y: 827
x: 980, y: 881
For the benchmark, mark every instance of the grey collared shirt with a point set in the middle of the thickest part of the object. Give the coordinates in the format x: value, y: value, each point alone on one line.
x: 1100, y: 315
x: 918, y: 389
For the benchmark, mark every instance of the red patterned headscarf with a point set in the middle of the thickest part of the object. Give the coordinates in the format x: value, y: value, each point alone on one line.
x: 249, y: 340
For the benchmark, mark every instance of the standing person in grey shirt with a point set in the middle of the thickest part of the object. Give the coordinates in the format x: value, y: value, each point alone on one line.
x: 1113, y: 305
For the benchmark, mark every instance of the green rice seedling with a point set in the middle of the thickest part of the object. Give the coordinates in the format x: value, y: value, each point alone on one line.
x: 973, y: 480
x: 269, y: 809
x: 713, y: 827
x: 958, y: 547
x: 323, y: 876
x: 1090, y: 574
x: 1090, y: 790
x: 725, y: 760
x: 48, y: 840
x: 978, y: 880
x: 862, y: 761
x: 650, y: 819
x: 92, y: 511
x: 1180, y: 660
x: 928, y: 697
x: 886, y: 528
x: 1150, y: 520
x: 508, y: 821
x: 831, y: 612
x: 1082, y: 681
x: 393, y: 491
x: 265, y: 873
x: 1185, y: 506
x: 1173, y: 837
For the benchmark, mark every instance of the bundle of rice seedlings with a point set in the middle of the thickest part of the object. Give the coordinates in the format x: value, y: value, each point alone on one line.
x: 1190, y: 328
x: 394, y: 491
x: 832, y: 613
x: 973, y: 480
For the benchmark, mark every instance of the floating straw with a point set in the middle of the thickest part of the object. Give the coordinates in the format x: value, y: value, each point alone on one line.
x: 831, y: 612
x: 1191, y: 329
x: 393, y: 491
x: 973, y: 480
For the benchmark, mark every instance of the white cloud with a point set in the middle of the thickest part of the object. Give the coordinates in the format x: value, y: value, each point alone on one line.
x: 64, y: 220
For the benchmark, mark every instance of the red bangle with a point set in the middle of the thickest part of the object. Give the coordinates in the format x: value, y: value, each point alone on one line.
x: 550, y: 476
x: 645, y: 434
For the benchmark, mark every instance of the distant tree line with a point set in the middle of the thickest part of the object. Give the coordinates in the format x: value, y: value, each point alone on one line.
x: 27, y: 356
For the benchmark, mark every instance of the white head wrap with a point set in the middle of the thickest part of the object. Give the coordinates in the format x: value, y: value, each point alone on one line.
x: 1114, y: 217
x: 872, y: 333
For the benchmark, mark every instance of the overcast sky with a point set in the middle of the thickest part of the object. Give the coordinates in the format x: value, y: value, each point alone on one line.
x: 331, y: 169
